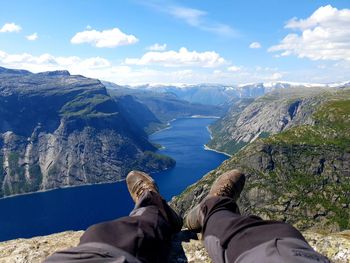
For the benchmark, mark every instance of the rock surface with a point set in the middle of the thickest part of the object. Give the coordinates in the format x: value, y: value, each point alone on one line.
x: 275, y: 112
x: 186, y: 248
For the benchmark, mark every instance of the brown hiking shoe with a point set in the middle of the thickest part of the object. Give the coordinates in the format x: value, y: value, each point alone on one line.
x: 139, y: 182
x: 229, y: 184
x: 194, y: 219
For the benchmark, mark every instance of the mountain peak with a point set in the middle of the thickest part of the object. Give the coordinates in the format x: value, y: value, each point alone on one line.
x: 14, y: 71
x: 55, y: 73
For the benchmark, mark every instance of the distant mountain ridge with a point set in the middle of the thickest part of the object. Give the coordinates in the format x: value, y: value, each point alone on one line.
x: 220, y: 94
x: 165, y: 106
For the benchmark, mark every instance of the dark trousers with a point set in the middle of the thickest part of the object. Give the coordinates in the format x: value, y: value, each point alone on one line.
x: 145, y: 234
x: 227, y: 234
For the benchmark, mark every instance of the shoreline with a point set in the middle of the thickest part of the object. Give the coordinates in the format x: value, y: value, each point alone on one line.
x: 120, y: 180
x: 59, y: 188
x: 168, y: 126
x: 204, y: 117
x: 213, y: 150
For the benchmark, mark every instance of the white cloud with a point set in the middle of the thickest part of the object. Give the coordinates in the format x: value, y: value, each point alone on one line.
x: 32, y: 37
x: 190, y: 15
x: 325, y: 35
x: 198, y: 18
x: 233, y: 69
x: 47, y: 62
x: 107, y: 38
x: 255, y: 45
x: 101, y: 68
x: 276, y: 76
x: 194, y: 17
x: 10, y: 27
x: 157, y: 47
x: 183, y: 57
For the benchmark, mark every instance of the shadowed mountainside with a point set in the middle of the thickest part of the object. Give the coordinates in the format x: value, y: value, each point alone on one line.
x: 60, y: 130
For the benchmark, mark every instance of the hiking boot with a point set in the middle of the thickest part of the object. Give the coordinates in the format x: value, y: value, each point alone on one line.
x: 139, y: 182
x: 194, y: 219
x: 229, y: 184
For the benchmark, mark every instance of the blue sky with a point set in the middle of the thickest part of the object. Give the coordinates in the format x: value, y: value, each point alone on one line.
x: 202, y: 41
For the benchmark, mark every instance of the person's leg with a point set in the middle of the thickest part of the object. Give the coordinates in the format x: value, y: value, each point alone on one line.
x: 146, y: 233
x: 228, y: 234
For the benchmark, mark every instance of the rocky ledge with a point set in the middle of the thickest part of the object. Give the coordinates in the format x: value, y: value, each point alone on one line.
x: 186, y: 247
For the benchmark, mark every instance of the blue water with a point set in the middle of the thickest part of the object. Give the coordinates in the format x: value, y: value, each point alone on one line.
x: 77, y: 208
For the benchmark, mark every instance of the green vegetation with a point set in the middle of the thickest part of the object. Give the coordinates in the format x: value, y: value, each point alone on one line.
x: 36, y: 177
x: 303, y: 198
x: 53, y: 171
x: 17, y: 174
x: 230, y: 146
x: 332, y: 127
x: 154, y: 127
x: 19, y: 183
x: 151, y: 161
x: 85, y: 106
x: 264, y: 135
x: 7, y: 190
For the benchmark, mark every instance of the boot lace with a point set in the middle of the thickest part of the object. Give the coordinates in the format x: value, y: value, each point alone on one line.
x: 225, y: 190
x: 140, y: 187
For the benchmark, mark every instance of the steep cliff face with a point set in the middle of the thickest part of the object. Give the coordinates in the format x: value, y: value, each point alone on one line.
x: 301, y: 175
x: 275, y: 112
x: 59, y: 130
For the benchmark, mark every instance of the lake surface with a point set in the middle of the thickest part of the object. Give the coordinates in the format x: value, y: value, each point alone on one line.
x: 77, y: 208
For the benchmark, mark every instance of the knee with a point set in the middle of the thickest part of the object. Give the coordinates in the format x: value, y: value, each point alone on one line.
x: 214, y: 248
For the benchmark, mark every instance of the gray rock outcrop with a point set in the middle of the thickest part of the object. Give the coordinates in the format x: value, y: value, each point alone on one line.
x: 273, y: 113
x: 185, y: 249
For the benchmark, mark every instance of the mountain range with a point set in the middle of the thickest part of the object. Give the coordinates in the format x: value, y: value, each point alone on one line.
x: 219, y: 94
x: 59, y: 130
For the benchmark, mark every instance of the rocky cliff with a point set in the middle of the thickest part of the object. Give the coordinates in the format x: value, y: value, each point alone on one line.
x: 59, y: 130
x: 301, y: 175
x: 273, y: 113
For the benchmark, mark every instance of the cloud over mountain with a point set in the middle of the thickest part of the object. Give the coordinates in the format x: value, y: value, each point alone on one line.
x: 183, y: 57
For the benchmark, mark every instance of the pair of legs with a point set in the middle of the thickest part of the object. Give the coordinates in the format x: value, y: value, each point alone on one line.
x: 146, y: 233
x: 228, y: 237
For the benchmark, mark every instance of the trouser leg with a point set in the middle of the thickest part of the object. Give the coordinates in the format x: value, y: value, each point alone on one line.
x: 228, y: 234
x: 146, y: 233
